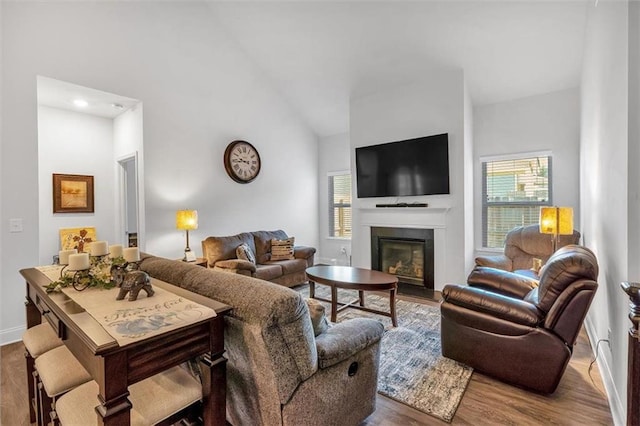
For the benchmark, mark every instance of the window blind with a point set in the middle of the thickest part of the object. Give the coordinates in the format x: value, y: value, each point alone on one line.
x: 513, y: 190
x: 340, y: 205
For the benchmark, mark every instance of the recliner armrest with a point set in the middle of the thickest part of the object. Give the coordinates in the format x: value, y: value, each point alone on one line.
x: 345, y: 339
x: 504, y: 282
x: 494, y: 304
x: 498, y: 261
x: 238, y: 264
x: 303, y: 252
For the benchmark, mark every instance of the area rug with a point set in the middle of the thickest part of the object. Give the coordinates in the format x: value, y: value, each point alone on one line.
x: 412, y: 368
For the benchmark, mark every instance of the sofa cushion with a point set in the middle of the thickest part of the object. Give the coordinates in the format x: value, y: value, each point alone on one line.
x: 243, y: 252
x: 262, y: 243
x: 224, y: 248
x: 290, y: 266
x: 268, y: 272
x: 282, y: 249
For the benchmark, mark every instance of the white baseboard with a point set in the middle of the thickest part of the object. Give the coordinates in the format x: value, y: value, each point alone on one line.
x: 615, y: 403
x: 11, y: 335
x: 332, y: 261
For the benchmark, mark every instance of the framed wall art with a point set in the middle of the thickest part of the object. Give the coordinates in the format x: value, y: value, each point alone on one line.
x: 77, y: 238
x: 72, y: 193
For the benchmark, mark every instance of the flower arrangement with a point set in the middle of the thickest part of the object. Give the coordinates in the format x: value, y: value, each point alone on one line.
x: 97, y: 276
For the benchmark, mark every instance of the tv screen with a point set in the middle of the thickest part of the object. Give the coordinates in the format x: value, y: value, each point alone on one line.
x: 417, y: 166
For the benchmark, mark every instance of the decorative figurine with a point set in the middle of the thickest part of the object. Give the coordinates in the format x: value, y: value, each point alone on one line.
x: 132, y: 282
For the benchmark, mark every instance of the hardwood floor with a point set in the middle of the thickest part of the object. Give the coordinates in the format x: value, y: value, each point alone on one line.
x: 579, y: 400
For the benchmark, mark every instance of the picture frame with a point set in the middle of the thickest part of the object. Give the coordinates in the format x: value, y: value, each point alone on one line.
x: 72, y: 193
x: 77, y: 238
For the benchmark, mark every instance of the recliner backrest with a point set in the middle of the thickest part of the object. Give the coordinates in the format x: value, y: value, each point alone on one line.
x: 524, y: 243
x: 566, y: 266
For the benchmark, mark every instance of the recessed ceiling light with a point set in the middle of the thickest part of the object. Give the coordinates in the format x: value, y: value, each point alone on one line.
x: 80, y: 103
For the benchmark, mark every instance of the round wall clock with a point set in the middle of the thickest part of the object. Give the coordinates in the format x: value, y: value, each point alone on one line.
x: 241, y: 161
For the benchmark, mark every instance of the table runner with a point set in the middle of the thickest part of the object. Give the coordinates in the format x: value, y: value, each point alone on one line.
x: 129, y: 322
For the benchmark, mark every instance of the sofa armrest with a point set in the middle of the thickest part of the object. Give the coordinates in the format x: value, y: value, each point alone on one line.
x: 499, y: 261
x: 493, y: 304
x: 503, y: 282
x: 303, y: 252
x: 345, y: 339
x: 236, y: 264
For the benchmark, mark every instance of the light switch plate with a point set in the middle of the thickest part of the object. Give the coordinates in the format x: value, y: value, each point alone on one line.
x: 15, y: 225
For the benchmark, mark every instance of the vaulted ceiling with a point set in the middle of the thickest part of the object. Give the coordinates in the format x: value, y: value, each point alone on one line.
x: 319, y: 55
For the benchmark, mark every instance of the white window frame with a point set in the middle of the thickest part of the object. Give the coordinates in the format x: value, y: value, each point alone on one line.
x: 332, y: 206
x: 485, y: 204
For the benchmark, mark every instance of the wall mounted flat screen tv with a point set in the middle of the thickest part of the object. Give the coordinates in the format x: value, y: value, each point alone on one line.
x: 417, y: 166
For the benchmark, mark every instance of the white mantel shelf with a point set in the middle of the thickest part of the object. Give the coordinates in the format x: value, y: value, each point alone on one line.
x: 407, y: 209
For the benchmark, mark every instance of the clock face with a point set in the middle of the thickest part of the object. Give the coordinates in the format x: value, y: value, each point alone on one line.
x: 242, y: 161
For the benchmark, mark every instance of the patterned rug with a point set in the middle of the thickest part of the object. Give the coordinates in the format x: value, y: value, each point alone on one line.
x: 412, y: 368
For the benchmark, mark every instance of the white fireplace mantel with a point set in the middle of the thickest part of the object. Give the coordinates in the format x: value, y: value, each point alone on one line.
x: 402, y: 217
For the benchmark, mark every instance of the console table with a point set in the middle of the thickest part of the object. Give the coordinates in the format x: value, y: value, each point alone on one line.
x: 114, y: 368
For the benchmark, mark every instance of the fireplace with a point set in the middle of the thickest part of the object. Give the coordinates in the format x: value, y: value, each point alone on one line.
x: 406, y: 253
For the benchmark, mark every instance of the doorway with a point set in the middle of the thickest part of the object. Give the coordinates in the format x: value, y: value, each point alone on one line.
x: 129, y: 200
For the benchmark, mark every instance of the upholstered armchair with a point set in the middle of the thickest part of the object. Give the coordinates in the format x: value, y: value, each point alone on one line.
x: 518, y: 329
x: 521, y: 245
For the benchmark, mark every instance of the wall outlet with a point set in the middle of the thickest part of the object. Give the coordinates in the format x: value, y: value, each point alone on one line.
x: 15, y: 225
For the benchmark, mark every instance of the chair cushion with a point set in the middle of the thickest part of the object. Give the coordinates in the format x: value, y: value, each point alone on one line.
x: 153, y: 399
x: 60, y: 371
x: 40, y: 339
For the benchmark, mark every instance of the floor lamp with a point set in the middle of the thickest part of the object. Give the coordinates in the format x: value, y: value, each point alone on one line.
x: 187, y: 220
x: 556, y: 221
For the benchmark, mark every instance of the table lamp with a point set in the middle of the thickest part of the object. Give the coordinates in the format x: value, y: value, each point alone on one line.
x: 187, y: 220
x: 556, y: 221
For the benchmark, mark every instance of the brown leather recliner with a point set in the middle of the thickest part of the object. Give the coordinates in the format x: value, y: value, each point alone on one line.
x: 522, y: 244
x: 515, y: 328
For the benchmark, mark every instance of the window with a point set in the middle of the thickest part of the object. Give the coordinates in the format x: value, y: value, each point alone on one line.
x: 340, y: 205
x: 513, y: 189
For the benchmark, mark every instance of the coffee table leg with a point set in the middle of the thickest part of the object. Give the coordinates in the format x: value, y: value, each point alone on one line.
x: 312, y: 289
x: 392, y: 306
x: 334, y: 303
x: 361, y: 295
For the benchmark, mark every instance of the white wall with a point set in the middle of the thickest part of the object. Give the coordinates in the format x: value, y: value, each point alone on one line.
x: 78, y: 144
x: 604, y: 188
x: 431, y: 107
x: 128, y: 141
x: 537, y: 123
x: 334, y: 155
x: 468, y: 172
x: 199, y: 91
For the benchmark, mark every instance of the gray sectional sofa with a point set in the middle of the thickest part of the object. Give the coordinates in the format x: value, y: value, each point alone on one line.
x: 279, y: 372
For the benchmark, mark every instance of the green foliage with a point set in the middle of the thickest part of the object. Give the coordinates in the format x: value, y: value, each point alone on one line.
x: 98, y: 276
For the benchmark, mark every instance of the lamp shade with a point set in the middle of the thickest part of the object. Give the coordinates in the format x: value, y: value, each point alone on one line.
x: 556, y: 220
x: 187, y: 219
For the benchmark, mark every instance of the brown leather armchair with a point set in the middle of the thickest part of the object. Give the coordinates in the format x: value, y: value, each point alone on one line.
x: 521, y: 245
x: 515, y: 328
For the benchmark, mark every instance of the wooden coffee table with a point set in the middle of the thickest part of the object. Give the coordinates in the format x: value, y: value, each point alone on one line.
x: 351, y: 278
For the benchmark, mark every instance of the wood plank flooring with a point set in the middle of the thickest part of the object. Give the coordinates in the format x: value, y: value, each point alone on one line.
x: 579, y: 400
